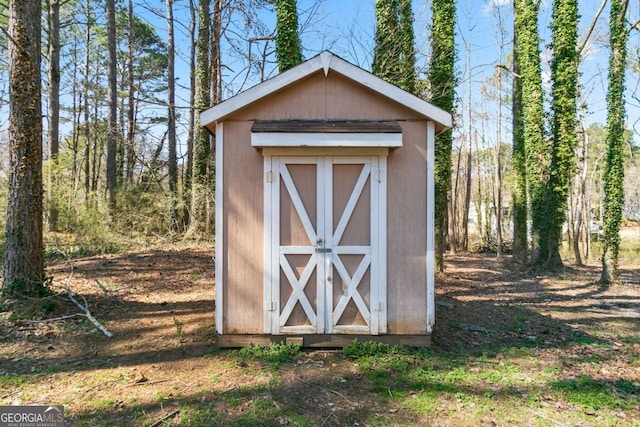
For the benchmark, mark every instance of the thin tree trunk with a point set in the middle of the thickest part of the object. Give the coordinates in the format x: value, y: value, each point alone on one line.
x: 467, y: 199
x: 453, y: 207
x: 112, y: 101
x: 188, y: 170
x: 54, y: 105
x: 131, y: 128
x: 171, y: 119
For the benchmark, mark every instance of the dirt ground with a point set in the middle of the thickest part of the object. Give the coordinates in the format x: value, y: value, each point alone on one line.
x: 163, y: 356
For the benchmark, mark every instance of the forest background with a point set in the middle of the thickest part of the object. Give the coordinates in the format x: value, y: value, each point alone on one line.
x: 154, y: 201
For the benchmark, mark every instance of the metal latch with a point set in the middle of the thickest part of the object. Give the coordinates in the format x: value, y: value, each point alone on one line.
x: 323, y: 250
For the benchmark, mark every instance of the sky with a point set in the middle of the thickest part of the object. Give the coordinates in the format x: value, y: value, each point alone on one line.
x: 347, y: 27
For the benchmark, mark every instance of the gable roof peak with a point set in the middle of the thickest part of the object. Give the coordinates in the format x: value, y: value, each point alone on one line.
x: 327, y: 62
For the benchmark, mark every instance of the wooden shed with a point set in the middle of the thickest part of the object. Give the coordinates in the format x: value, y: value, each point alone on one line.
x: 324, y: 209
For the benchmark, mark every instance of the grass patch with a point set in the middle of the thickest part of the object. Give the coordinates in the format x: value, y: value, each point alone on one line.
x: 261, y: 411
x: 13, y: 380
x: 589, y: 393
x: 275, y: 354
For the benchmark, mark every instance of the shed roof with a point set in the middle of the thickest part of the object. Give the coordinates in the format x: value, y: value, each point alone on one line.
x: 327, y: 62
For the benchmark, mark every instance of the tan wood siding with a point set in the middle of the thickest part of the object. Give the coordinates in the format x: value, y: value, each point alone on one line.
x: 406, y: 236
x: 243, y: 300
x: 325, y: 98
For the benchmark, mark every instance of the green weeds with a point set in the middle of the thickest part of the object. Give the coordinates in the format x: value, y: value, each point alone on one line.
x: 275, y: 354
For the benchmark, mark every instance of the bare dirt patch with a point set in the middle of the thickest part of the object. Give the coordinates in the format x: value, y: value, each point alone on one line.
x: 163, y: 361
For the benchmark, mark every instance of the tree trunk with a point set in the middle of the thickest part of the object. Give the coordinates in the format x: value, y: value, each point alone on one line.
x: 519, y: 196
x: 188, y: 170
x: 23, y: 268
x: 614, y: 168
x: 202, y: 145
x: 443, y: 82
x: 130, y: 145
x: 171, y: 119
x: 53, y: 71
x: 86, y: 127
x: 112, y: 101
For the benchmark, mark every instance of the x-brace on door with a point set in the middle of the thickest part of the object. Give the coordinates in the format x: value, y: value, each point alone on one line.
x: 325, y: 244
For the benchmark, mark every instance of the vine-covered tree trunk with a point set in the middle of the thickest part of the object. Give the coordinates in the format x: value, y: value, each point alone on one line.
x: 519, y: 191
x: 24, y: 259
x: 287, y: 39
x: 202, y: 146
x: 614, y: 167
x: 535, y: 152
x: 394, y: 53
x: 407, y: 66
x: 386, y: 53
x: 442, y: 81
x: 564, y: 75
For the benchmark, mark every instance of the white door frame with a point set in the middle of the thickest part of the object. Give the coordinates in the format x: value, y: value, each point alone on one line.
x: 324, y: 248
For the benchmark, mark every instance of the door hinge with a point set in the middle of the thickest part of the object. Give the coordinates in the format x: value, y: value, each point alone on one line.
x: 378, y: 306
x: 270, y: 176
x: 380, y: 175
x: 271, y: 306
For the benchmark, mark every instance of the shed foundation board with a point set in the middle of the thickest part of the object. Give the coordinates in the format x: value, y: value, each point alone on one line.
x: 322, y: 341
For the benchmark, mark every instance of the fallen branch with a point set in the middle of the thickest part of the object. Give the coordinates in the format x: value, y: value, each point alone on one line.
x: 165, y: 418
x: 86, y: 311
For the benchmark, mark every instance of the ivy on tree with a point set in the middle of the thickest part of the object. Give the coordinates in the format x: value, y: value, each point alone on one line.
x: 394, y: 52
x: 614, y: 167
x: 564, y: 75
x: 442, y: 82
x: 287, y: 39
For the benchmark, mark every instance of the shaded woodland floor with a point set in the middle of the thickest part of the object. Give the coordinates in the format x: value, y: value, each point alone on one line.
x: 511, y: 347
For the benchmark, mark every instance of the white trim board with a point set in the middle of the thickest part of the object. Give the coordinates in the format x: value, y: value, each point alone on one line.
x: 321, y: 139
x: 219, y: 216
x: 327, y: 62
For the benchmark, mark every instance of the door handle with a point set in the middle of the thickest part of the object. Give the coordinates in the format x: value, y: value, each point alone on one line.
x: 323, y: 250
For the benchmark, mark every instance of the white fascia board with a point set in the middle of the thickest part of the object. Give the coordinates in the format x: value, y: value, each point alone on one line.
x: 392, y: 92
x: 326, y: 61
x: 260, y: 91
x: 281, y: 139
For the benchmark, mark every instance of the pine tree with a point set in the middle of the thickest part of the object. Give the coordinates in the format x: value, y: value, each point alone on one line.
x: 23, y: 268
x: 112, y: 96
x: 564, y: 75
x: 287, y: 40
x: 614, y: 167
x: 442, y: 83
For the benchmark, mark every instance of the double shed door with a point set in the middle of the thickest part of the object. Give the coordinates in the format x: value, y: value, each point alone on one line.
x: 325, y: 250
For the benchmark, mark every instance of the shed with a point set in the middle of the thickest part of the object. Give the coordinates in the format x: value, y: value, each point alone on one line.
x: 324, y: 209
